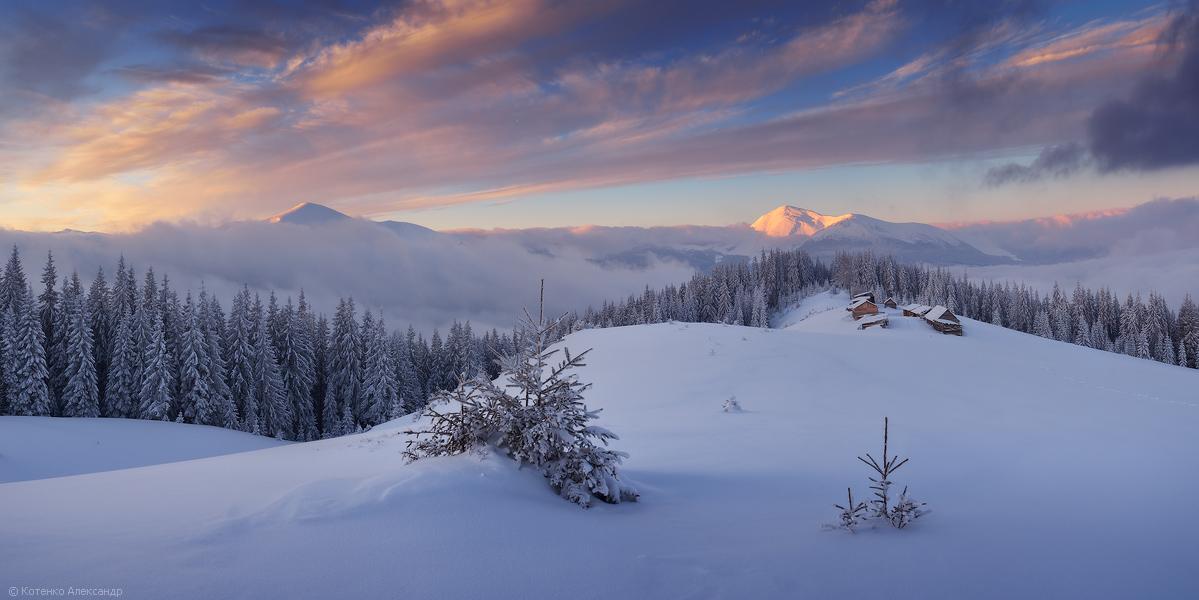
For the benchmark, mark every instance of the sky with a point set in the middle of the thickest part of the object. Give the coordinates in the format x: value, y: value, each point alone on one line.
x: 532, y: 113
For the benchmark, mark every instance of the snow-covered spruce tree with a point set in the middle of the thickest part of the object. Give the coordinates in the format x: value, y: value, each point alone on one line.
x: 155, y: 394
x: 212, y: 321
x: 537, y: 417
x: 195, y: 398
x: 240, y: 362
x: 344, y: 386
x: 378, y: 375
x: 80, y: 396
x: 24, y: 357
x: 121, y: 389
x: 274, y: 414
x: 297, y: 367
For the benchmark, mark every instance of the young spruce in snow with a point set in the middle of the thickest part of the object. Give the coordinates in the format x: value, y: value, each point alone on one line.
x: 537, y: 418
x: 902, y: 512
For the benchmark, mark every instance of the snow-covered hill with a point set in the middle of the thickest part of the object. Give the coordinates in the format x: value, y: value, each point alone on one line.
x: 825, y: 236
x: 43, y: 447
x: 1052, y: 471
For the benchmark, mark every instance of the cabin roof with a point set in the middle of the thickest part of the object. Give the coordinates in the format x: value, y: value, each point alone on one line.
x: 868, y: 319
x: 938, y: 313
x: 859, y: 302
x: 917, y: 308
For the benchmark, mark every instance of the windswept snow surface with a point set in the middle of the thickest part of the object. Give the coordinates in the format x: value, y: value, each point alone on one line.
x: 1052, y: 471
x: 42, y: 447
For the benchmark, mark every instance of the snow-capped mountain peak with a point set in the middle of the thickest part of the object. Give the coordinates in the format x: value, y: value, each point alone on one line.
x: 308, y: 213
x: 788, y: 220
x: 826, y: 235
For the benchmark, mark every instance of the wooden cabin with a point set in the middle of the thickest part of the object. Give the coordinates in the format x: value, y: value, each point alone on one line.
x: 942, y: 319
x: 890, y: 303
x: 862, y: 307
x: 872, y: 321
x: 916, y: 310
x: 858, y: 295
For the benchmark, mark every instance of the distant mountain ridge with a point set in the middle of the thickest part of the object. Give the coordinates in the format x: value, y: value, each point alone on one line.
x: 1150, y: 227
x: 825, y: 235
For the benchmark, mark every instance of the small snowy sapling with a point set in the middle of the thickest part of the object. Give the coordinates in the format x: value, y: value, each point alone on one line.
x: 731, y: 405
x: 852, y: 513
x: 903, y: 511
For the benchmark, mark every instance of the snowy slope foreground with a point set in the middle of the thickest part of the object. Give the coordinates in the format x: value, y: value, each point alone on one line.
x: 1052, y: 471
x: 43, y: 447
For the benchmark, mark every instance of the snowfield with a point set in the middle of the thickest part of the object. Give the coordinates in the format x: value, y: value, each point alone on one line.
x: 43, y: 447
x: 1052, y: 471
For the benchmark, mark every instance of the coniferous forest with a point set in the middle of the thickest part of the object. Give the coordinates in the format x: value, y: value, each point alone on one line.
x: 135, y: 347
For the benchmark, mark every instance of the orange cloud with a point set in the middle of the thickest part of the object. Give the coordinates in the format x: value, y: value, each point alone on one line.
x: 1094, y: 38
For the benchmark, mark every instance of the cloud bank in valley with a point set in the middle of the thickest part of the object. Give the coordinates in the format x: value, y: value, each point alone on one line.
x: 428, y: 281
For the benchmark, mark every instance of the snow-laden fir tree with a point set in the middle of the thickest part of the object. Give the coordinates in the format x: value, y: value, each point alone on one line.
x: 239, y: 346
x: 48, y: 303
x: 103, y: 330
x: 378, y: 374
x: 274, y: 413
x: 1042, y: 326
x: 24, y: 357
x: 155, y: 394
x: 122, y: 389
x: 537, y: 416
x: 345, y: 371
x: 13, y: 284
x: 213, y: 319
x: 297, y: 369
x: 80, y: 395
x: 195, y: 398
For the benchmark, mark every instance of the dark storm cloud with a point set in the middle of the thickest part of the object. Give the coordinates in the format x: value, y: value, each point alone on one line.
x: 1158, y: 125
x: 1053, y: 161
x: 44, y: 54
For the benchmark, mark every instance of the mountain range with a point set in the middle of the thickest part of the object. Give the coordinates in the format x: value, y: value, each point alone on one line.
x: 1156, y: 226
x: 702, y: 247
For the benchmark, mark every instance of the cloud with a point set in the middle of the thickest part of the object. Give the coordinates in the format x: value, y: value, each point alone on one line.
x: 427, y: 281
x: 227, y: 44
x: 1153, y: 128
x: 1158, y: 125
x: 1053, y: 161
x: 1156, y: 226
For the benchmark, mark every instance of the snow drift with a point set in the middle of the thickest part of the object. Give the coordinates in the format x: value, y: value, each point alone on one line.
x: 1052, y: 471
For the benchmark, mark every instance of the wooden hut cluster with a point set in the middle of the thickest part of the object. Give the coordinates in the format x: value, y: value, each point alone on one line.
x: 865, y: 311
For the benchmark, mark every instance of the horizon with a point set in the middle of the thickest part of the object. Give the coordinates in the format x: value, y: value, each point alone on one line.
x: 1059, y: 218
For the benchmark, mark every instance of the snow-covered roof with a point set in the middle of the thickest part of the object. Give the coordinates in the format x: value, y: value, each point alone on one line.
x: 863, y: 294
x: 917, y: 308
x: 858, y: 302
x: 872, y: 319
x: 937, y: 313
